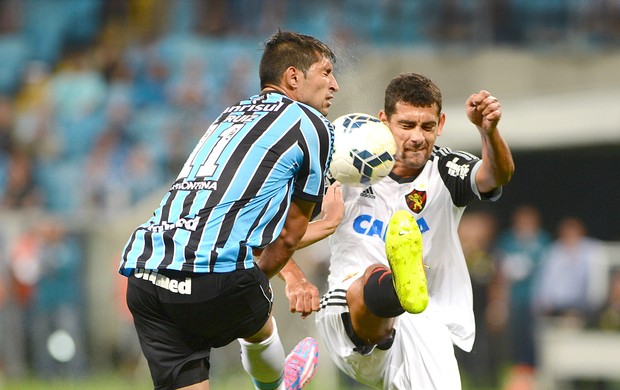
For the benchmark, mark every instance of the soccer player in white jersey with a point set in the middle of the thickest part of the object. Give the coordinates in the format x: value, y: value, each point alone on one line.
x: 198, y: 270
x: 387, y: 320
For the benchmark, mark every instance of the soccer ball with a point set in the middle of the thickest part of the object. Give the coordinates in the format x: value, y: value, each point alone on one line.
x: 364, y: 150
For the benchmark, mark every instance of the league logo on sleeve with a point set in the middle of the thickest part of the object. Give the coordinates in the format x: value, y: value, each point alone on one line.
x: 416, y: 200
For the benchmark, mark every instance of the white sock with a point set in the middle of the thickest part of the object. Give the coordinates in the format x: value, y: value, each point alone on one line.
x: 264, y: 361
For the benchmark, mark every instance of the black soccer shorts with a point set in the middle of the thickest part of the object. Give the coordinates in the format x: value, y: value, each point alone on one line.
x: 180, y: 316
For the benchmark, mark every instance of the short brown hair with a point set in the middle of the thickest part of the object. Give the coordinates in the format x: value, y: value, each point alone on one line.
x: 286, y: 49
x: 413, y: 89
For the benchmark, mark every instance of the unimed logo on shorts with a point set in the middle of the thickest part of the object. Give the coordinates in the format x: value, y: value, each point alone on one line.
x: 172, y: 285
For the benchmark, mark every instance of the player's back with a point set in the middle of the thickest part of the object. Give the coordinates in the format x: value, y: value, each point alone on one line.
x: 233, y: 192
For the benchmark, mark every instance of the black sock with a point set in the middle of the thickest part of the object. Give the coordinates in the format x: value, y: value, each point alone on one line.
x: 380, y: 296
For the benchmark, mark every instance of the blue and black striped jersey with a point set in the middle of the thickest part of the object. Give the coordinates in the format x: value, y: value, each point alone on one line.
x: 235, y: 189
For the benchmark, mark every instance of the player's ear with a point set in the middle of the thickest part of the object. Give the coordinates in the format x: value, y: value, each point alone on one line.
x: 442, y: 120
x: 291, y: 77
x: 383, y: 117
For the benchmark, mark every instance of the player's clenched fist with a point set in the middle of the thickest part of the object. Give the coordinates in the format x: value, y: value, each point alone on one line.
x: 483, y: 110
x: 303, y: 297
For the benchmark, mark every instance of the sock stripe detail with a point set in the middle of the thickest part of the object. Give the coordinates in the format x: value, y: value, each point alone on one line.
x: 270, y: 385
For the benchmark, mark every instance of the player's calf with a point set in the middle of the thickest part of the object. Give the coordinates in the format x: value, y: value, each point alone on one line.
x: 380, y: 295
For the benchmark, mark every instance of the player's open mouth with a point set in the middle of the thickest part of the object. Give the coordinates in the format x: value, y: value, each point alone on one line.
x: 414, y: 154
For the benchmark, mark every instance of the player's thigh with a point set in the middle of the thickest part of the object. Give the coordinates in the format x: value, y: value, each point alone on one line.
x: 365, y: 366
x: 235, y: 305
x: 423, y: 355
x: 163, y: 344
x: 175, y: 329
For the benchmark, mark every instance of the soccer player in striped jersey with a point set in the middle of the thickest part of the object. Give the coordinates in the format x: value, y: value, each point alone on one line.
x: 249, y: 187
x: 400, y: 296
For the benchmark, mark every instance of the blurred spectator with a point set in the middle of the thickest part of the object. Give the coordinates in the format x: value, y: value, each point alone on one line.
x: 520, y: 251
x: 128, y: 358
x: 544, y: 22
x: 57, y: 303
x: 68, y: 131
x: 4, y: 304
x: 14, y: 47
x: 33, y: 111
x: 192, y: 90
x: 120, y: 174
x: 504, y: 22
x: 601, y: 20
x: 573, y: 280
x: 609, y: 319
x: 455, y: 21
x: 7, y: 118
x: 11, y: 16
x: 240, y: 84
x: 104, y: 187
x: 477, y: 231
x: 22, y: 276
x: 151, y: 72
x: 78, y: 93
x: 243, y: 17
x: 19, y: 190
x: 142, y: 174
x: 192, y: 99
x: 51, y: 25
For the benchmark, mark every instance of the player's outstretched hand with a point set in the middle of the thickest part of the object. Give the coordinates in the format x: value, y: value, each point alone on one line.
x: 332, y: 209
x: 484, y: 111
x: 303, y: 297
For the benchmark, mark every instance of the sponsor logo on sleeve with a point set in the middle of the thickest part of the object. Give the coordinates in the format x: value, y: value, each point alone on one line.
x: 457, y: 170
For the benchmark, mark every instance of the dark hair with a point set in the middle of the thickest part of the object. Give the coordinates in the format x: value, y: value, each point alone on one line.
x: 413, y: 89
x: 286, y: 49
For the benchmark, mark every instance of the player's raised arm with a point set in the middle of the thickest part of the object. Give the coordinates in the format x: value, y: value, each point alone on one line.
x: 484, y: 111
x: 332, y: 211
x: 303, y: 296
x: 275, y: 255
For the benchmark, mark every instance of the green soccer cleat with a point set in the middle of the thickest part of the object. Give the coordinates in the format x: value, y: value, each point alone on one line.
x: 403, y: 246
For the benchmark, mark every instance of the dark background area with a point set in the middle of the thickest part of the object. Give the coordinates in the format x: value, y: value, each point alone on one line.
x: 583, y: 182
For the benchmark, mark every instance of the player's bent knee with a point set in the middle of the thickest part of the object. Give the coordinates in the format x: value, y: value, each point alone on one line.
x: 379, y: 295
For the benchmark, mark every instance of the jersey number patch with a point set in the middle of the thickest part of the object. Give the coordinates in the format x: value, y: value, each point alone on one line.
x: 209, y: 165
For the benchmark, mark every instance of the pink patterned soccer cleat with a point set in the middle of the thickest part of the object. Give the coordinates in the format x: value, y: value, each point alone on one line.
x: 300, y: 364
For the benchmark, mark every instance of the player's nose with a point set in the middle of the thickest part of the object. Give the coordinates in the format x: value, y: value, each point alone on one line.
x: 416, y: 135
x: 333, y: 85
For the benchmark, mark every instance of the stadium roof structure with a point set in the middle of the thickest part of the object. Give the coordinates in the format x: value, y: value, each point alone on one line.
x: 558, y: 120
x: 549, y: 100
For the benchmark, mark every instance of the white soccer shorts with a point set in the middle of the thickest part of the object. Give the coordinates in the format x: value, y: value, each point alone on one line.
x: 421, y: 358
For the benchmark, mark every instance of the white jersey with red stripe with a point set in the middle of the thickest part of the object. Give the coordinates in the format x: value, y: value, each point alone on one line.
x: 437, y: 198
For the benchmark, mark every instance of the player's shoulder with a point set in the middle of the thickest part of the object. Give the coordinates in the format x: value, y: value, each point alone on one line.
x: 441, y: 153
x: 451, y: 164
x: 298, y: 110
x: 269, y: 101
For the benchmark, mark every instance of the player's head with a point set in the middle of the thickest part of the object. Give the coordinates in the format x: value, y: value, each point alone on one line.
x: 413, y: 89
x: 412, y: 111
x: 301, y: 66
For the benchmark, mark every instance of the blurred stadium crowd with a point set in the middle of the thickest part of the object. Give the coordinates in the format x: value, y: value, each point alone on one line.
x: 95, y: 93
x: 101, y: 102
